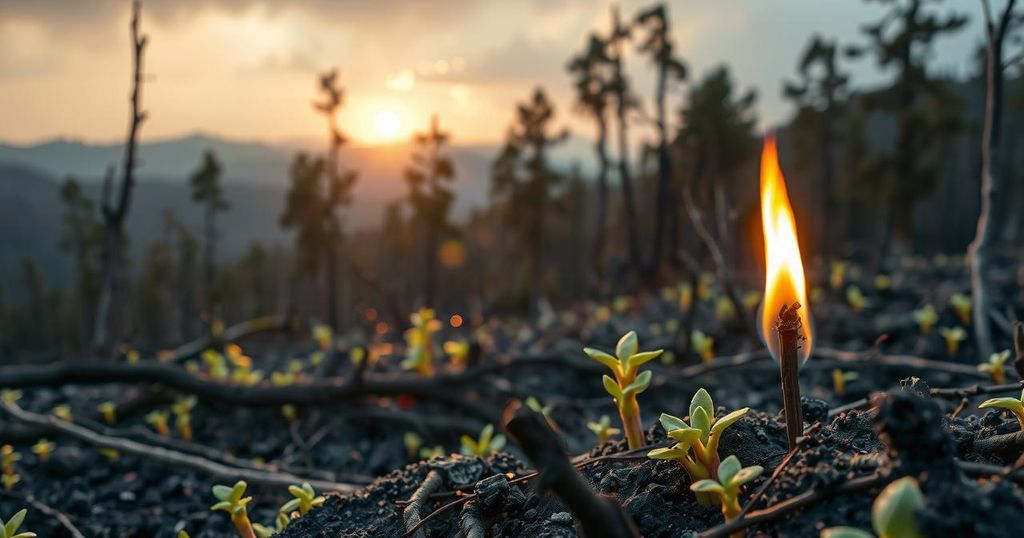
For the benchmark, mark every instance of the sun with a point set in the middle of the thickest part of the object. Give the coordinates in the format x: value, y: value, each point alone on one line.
x: 387, y: 124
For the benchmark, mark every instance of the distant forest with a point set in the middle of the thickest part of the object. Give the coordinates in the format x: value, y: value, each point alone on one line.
x: 876, y: 174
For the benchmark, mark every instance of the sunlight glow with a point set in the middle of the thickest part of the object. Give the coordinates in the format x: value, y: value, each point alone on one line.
x: 387, y: 125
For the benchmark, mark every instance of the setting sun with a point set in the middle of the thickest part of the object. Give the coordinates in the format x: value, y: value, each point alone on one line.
x: 387, y: 125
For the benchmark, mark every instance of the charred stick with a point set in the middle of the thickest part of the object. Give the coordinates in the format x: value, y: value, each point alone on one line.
x: 471, y: 522
x: 1007, y: 445
x: 599, y: 517
x: 789, y: 329
x: 420, y: 497
x: 1018, y: 348
x: 210, y: 468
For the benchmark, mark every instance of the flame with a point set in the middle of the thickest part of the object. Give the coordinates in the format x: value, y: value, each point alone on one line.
x: 784, y: 281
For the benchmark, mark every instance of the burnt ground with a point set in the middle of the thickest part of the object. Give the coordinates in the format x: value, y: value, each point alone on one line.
x: 135, y: 496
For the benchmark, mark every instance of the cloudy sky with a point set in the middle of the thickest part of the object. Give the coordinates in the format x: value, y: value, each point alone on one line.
x: 246, y: 69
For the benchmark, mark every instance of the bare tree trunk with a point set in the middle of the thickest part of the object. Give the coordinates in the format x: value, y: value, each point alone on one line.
x: 662, y: 198
x: 209, y: 270
x: 430, y: 269
x: 601, y: 148
x: 114, y: 215
x: 622, y: 107
x: 989, y: 222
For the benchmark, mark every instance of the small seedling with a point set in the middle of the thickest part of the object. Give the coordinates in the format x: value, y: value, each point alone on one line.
x: 419, y: 340
x: 627, y: 383
x: 685, y: 296
x: 961, y: 305
x: 703, y: 344
x: 751, y: 299
x: 11, y: 526
x: 602, y: 428
x: 882, y: 282
x: 158, y: 419
x: 485, y: 445
x: 109, y: 412
x: 704, y: 286
x: 63, y: 412
x: 1014, y: 405
x: 837, y: 275
x: 111, y: 454
x: 926, y: 318
x: 696, y: 447
x: 43, y: 448
x: 724, y: 310
x: 282, y: 379
x: 289, y: 412
x: 840, y: 379
x: 458, y: 351
x: 856, y: 299
x: 305, y: 499
x: 323, y: 336
x: 216, y: 365
x: 534, y: 403
x: 413, y: 443
x: 280, y: 523
x: 10, y: 396
x: 892, y: 513
x: 8, y: 457
x: 731, y: 476
x: 243, y: 374
x: 953, y: 337
x: 621, y: 304
x: 182, y: 409
x: 994, y: 366
x: 231, y: 500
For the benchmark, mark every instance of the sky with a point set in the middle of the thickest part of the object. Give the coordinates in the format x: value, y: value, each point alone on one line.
x: 246, y: 69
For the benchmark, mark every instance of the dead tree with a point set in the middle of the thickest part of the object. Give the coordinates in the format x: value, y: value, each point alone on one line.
x: 993, y: 177
x: 115, y: 212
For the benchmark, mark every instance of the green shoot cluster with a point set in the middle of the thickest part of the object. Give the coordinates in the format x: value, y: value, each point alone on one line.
x: 696, y: 447
x: 420, y: 352
x: 731, y: 476
x: 11, y: 526
x: 483, y: 446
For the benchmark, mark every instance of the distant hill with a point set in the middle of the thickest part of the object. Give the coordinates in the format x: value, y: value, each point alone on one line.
x: 256, y: 180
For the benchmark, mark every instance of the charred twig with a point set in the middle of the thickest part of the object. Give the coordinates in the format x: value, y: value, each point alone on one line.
x: 245, y: 329
x: 945, y: 393
x: 471, y: 522
x: 1018, y: 348
x: 599, y: 517
x: 790, y: 334
x: 1012, y: 472
x: 48, y: 510
x: 210, y: 468
x: 779, y: 510
x: 1007, y: 445
x: 419, y: 498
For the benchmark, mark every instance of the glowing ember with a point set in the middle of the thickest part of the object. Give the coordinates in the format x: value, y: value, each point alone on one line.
x: 784, y: 271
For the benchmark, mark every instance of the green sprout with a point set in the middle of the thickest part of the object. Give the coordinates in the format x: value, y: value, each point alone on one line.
x: 413, y: 443
x: 10, y: 396
x: 892, y: 513
x: 883, y: 282
x: 8, y: 457
x: 323, y: 336
x: 231, y: 500
x: 43, y: 448
x: 696, y: 447
x: 1014, y: 405
x: 627, y: 383
x: 961, y: 305
x: 705, y: 286
x: 280, y: 523
x: 182, y: 409
x: 837, y: 275
x: 685, y: 296
x: 420, y: 351
x: 111, y: 454
x: 485, y: 445
x: 289, y: 413
x: 926, y: 318
x: 953, y: 337
x: 109, y: 412
x: 158, y: 419
x: 305, y: 499
x: 10, y: 528
x: 994, y: 366
x: 63, y: 412
x: 458, y: 351
x: 282, y: 379
x: 856, y: 298
x: 602, y: 428
x: 216, y: 365
x: 703, y: 344
x: 840, y: 379
x: 724, y: 309
x: 731, y: 476
x: 534, y: 404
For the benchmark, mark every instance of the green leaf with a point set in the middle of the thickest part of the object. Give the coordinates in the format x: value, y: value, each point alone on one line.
x: 643, y: 380
x: 308, y: 489
x: 670, y: 422
x: 468, y: 443
x: 16, y: 520
x: 892, y: 513
x: 686, y: 436
x: 498, y: 443
x: 1006, y: 403
x: 707, y: 486
x: 485, y: 437
x: 290, y: 506
x: 296, y: 491
x: 845, y: 532
x: 612, y: 387
x: 627, y: 346
x: 728, y: 469
x: 602, y: 357
x: 223, y: 505
x: 644, y: 357
x: 222, y: 493
x: 747, y: 474
x: 261, y: 531
x: 667, y: 453
x: 699, y: 419
x: 728, y: 420
x: 702, y: 400
x: 238, y: 491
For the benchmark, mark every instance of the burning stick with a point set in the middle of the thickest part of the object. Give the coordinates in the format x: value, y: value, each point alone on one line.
x: 790, y: 335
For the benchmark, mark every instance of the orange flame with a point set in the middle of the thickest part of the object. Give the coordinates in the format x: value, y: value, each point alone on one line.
x: 784, y: 281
